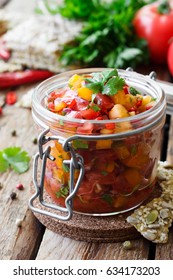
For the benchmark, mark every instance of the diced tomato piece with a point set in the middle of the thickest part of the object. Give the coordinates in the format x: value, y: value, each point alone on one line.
x: 90, y: 114
x: 104, y: 102
x: 110, y: 125
x: 74, y: 114
x: 86, y: 128
x: 51, y: 106
x: 100, y: 118
x: 81, y: 104
x: 71, y: 102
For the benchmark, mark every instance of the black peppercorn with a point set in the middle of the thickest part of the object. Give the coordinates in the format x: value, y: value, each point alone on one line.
x: 13, y: 195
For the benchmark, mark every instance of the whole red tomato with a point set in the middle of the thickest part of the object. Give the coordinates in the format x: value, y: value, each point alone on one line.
x: 170, y: 58
x: 154, y: 22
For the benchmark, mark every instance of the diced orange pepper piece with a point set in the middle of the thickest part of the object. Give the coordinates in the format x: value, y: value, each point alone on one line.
x: 85, y: 93
x: 122, y: 152
x: 120, y: 201
x: 139, y: 159
x: 119, y: 98
x: 132, y: 176
x: 110, y: 166
x: 103, y: 144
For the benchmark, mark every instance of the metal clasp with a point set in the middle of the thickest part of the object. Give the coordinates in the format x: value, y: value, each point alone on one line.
x: 76, y: 162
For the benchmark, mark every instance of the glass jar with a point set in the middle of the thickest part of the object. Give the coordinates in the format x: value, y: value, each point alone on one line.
x: 89, y: 167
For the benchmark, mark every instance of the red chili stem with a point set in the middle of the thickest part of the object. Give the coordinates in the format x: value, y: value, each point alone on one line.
x: 17, y: 78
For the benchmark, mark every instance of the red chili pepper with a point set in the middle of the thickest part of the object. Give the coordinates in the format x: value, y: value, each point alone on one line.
x: 9, y: 79
x: 139, y: 103
x: 132, y: 109
x: 125, y: 88
x: 0, y: 111
x: 148, y: 107
x: 11, y: 98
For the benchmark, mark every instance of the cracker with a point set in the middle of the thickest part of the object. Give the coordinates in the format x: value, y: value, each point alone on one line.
x: 154, y: 219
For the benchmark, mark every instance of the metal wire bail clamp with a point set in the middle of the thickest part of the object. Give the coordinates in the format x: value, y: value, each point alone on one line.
x: 76, y: 162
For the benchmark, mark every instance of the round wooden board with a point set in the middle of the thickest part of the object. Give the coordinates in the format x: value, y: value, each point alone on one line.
x: 90, y: 228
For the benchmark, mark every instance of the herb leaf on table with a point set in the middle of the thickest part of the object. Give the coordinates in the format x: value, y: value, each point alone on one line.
x: 15, y: 158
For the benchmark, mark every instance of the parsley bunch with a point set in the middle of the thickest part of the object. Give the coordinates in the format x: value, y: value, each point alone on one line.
x: 107, y: 37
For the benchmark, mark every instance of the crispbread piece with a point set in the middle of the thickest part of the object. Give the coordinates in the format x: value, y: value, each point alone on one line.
x: 9, y: 21
x: 37, y: 42
x: 9, y: 67
x: 154, y: 219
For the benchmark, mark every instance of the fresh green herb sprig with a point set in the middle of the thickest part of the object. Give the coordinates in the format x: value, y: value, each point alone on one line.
x: 63, y: 192
x: 133, y: 91
x: 107, y: 37
x: 15, y: 158
x: 107, y: 82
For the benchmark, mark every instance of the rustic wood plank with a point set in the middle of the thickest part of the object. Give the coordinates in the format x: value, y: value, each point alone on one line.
x: 62, y: 248
x: 17, y: 242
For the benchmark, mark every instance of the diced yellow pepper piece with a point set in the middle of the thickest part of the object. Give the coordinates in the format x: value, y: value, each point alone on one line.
x: 118, y: 111
x: 103, y: 144
x: 85, y: 93
x: 106, y: 131
x: 60, y: 106
x: 145, y: 102
x: 121, y: 127
x: 75, y: 81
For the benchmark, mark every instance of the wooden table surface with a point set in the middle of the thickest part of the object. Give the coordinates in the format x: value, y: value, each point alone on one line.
x: 33, y: 240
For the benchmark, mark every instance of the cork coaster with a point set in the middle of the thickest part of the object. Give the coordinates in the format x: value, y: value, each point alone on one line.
x: 91, y: 228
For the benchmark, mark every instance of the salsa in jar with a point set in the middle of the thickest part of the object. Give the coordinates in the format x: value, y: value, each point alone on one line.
x: 115, y: 120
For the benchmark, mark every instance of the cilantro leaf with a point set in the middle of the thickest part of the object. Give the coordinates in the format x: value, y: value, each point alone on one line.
x: 106, y: 82
x: 15, y: 158
x: 113, y: 85
x: 107, y: 74
x: 95, y: 86
x: 108, y: 198
x: 80, y: 144
x: 94, y: 107
x: 63, y: 192
x: 3, y: 163
x: 133, y: 91
x: 65, y: 168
